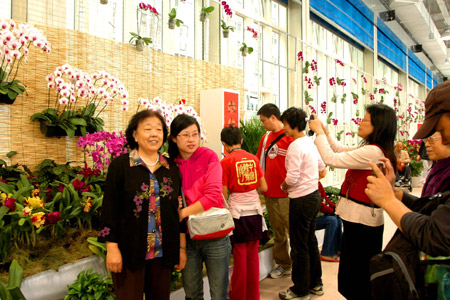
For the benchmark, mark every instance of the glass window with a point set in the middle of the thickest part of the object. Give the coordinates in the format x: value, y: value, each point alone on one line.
x: 149, y: 24
x: 5, y: 9
x: 184, y: 35
x: 106, y: 20
x: 275, y: 12
x: 229, y: 50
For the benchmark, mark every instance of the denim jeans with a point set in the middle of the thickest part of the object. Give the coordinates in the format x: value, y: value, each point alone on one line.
x: 333, y: 234
x: 306, y: 266
x: 215, y: 254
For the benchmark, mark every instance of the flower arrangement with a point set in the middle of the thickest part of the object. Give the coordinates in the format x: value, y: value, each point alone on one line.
x: 15, y: 42
x: 227, y: 9
x: 68, y: 85
x: 170, y: 111
x: 255, y: 34
x: 412, y: 147
x: 136, y: 38
x: 102, y: 147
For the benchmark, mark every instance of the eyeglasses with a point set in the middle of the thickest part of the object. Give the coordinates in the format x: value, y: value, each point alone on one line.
x: 431, y: 139
x: 186, y: 136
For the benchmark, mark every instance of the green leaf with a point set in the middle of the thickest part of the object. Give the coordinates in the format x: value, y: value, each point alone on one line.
x: 22, y: 221
x: 76, y: 212
x: 15, y: 275
x: 11, y: 154
x: 78, y: 121
x: 178, y: 22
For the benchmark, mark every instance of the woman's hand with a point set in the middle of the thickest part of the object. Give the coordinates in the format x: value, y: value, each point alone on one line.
x: 379, y: 189
x: 181, y: 214
x: 113, y: 257
x: 316, y: 125
x: 390, y: 173
x: 182, y: 262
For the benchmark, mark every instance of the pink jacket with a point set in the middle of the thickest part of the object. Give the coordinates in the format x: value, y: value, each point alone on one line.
x: 201, y: 177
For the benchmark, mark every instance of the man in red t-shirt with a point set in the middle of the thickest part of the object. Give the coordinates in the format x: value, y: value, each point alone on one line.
x: 277, y: 202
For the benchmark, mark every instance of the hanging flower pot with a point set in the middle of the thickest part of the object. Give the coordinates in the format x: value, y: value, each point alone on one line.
x: 171, y: 23
x: 203, y: 16
x: 140, y: 45
x: 103, y: 1
x: 244, y: 52
x: 226, y: 33
x: 4, y: 98
x: 51, y: 130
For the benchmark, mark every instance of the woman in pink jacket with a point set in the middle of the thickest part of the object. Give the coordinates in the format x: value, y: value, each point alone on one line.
x: 201, y: 175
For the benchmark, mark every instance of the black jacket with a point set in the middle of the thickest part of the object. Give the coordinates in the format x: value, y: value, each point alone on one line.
x: 123, y: 223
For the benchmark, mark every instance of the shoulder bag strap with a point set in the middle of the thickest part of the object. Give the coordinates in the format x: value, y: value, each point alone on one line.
x: 262, y: 158
x: 273, y: 143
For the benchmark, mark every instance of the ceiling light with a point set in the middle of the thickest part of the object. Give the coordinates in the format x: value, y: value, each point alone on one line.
x: 446, y: 34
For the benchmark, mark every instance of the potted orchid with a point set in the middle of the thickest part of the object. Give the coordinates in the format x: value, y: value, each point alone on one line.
x: 15, y: 42
x: 72, y: 87
x: 205, y: 13
x: 143, y: 10
x: 173, y: 19
x: 245, y: 49
x: 226, y: 29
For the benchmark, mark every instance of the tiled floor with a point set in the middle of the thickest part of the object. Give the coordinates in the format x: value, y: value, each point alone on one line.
x: 270, y: 288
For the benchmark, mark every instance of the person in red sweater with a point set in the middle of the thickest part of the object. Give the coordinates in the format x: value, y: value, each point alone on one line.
x: 333, y: 228
x: 272, y: 155
x: 241, y: 177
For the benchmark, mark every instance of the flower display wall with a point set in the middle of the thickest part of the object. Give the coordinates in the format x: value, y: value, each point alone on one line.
x: 15, y: 43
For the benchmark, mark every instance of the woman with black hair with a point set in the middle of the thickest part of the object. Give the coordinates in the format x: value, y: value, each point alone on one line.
x: 303, y: 164
x: 363, y: 221
x: 201, y: 175
x: 140, y: 222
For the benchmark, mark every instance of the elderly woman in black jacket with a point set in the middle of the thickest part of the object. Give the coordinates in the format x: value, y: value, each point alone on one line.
x: 140, y: 222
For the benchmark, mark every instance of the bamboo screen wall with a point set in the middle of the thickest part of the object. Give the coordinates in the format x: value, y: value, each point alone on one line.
x: 145, y: 74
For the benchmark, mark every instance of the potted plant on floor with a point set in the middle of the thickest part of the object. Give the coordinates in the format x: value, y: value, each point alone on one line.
x: 173, y: 19
x: 70, y: 86
x: 226, y: 29
x: 245, y: 49
x: 205, y: 13
x: 17, y: 40
x: 416, y: 169
x: 139, y: 41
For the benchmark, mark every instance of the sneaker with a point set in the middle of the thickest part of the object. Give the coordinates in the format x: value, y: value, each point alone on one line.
x: 397, y: 183
x: 318, y: 290
x: 288, y: 294
x: 278, y: 272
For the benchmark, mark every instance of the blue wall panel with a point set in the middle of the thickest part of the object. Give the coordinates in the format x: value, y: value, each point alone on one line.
x: 429, y: 79
x: 390, y: 46
x: 352, y: 15
x: 416, y: 68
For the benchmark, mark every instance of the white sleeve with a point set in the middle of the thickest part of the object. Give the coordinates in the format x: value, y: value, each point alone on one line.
x: 293, y: 162
x: 357, y: 158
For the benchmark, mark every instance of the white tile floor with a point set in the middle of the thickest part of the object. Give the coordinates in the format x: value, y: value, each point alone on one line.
x: 271, y: 287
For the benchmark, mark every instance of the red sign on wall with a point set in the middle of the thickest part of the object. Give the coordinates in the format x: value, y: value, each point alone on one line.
x: 231, y: 109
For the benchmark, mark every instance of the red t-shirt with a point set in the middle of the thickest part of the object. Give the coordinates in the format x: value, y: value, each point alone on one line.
x: 241, y: 171
x: 275, y: 172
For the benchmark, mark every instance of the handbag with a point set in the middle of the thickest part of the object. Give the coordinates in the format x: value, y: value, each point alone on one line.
x: 214, y: 223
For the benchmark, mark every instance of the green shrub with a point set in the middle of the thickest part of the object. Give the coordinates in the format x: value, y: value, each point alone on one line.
x: 11, y: 290
x: 90, y: 286
x: 332, y: 193
x: 416, y: 167
x: 252, y: 132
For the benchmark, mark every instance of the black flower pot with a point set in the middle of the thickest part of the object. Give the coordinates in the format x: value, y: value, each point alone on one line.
x: 4, y: 98
x: 52, y: 130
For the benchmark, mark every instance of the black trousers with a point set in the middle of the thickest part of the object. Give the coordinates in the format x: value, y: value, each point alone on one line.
x: 306, y: 266
x: 359, y: 244
x: 153, y: 280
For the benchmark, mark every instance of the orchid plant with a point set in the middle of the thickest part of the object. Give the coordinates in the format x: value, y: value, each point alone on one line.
x: 102, y: 147
x: 15, y: 42
x: 68, y: 86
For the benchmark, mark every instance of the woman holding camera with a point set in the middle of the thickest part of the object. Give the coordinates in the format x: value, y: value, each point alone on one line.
x: 363, y: 221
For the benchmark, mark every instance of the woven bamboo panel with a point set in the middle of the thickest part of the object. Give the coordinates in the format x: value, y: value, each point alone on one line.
x: 145, y: 74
